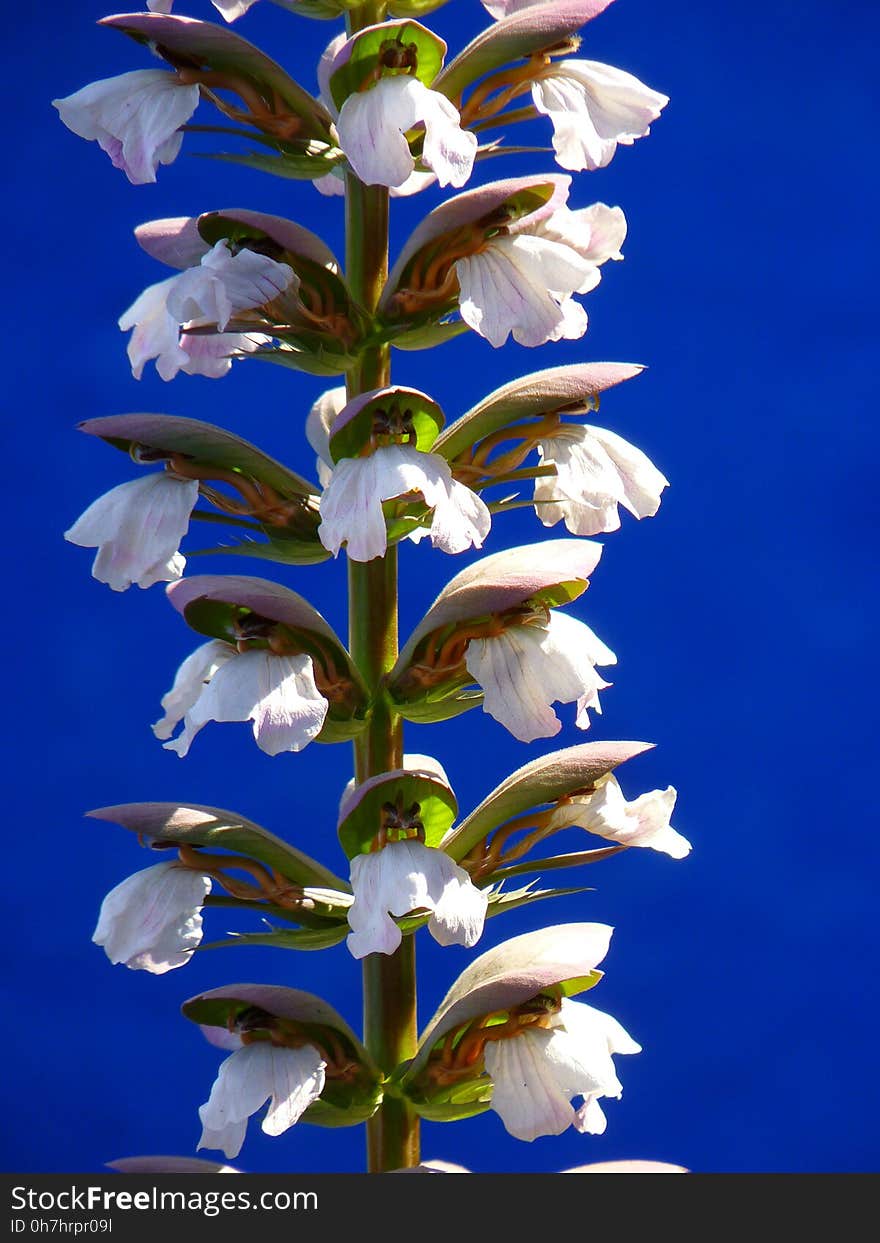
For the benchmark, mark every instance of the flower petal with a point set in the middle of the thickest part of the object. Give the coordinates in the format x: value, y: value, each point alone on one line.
x: 152, y: 920
x: 404, y: 877
x: 137, y: 528
x: 189, y: 682
x: 371, y: 129
x: 135, y: 118
x: 291, y: 1079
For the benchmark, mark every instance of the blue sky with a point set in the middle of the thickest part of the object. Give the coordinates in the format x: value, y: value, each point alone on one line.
x: 740, y: 614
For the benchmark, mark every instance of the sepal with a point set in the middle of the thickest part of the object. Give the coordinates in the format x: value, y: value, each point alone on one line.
x: 539, y: 28
x: 541, y: 782
x: 574, y: 389
x: 168, y: 825
x: 186, y: 43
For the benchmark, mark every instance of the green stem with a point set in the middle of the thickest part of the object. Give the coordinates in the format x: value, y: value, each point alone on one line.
x: 390, y: 1019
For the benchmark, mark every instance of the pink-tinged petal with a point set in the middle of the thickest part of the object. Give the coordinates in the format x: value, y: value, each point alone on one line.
x: 152, y: 920
x: 156, y: 333
x: 351, y: 506
x: 290, y: 1079
x: 211, y: 354
x: 525, y: 1094
x: 461, y: 520
x: 645, y: 821
x: 593, y: 107
x: 407, y: 877
x: 134, y: 118
x: 160, y: 6
x: 526, y: 669
x: 448, y: 149
x: 515, y: 285
x: 225, y: 283
x: 371, y: 128
x: 330, y: 185
x: 232, y: 10
x: 277, y: 693
x: 189, y: 682
x: 641, y: 481
x: 137, y: 528
x: 627, y: 1167
x: 595, y: 233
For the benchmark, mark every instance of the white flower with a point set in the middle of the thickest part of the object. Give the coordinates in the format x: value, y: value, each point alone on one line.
x: 319, y: 420
x: 373, y: 124
x: 210, y: 294
x: 230, y: 9
x: 290, y: 1079
x: 218, y: 683
x: 351, y: 505
x: 135, y: 118
x: 642, y: 822
x: 538, y: 1072
x: 137, y: 528
x: 152, y: 921
x: 504, y: 8
x: 522, y: 282
x: 593, y: 107
x: 524, y: 670
x: 405, y: 877
x: 596, y: 471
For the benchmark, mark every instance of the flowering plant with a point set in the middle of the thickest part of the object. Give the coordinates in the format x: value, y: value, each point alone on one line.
x: 512, y: 257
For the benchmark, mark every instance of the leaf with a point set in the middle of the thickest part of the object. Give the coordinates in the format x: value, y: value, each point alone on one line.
x: 361, y: 812
x: 290, y: 167
x: 319, y: 364
x: 577, y: 859
x: 185, y: 42
x: 194, y: 825
x: 208, y: 444
x: 516, y: 37
x: 541, y: 781
x: 282, y: 551
x: 563, y: 957
x: 499, y: 903
x: 284, y: 939
x: 573, y: 389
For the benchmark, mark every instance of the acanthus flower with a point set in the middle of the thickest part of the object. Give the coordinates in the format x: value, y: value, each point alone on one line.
x: 537, y: 1072
x: 522, y: 280
x: 152, y: 920
x: 165, y: 316
x: 643, y: 821
x: 135, y: 118
x: 355, y: 488
x: 217, y: 682
x: 525, y: 668
x: 596, y: 470
x: 231, y: 10
x: 137, y: 528
x: 373, y: 124
x: 593, y: 108
x: 406, y: 877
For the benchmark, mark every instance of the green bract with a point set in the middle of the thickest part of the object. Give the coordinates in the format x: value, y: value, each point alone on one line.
x: 353, y: 428
x: 183, y: 824
x: 361, y: 62
x: 361, y: 813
